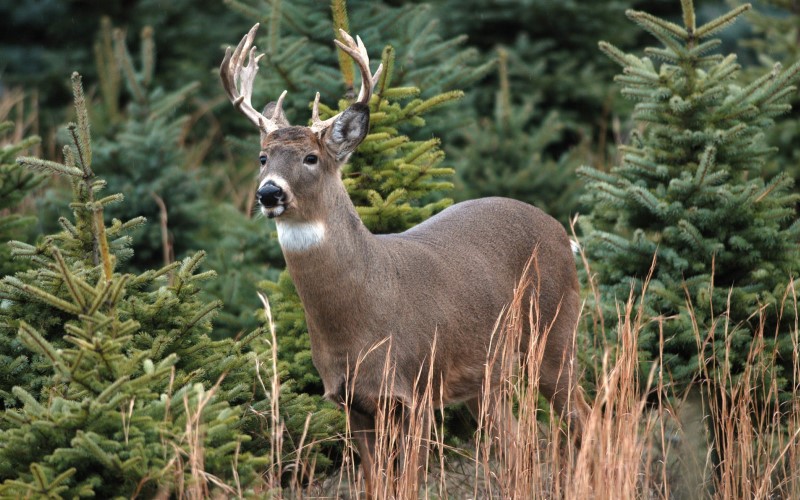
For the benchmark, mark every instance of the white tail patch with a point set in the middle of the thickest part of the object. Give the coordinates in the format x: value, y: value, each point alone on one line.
x: 300, y: 236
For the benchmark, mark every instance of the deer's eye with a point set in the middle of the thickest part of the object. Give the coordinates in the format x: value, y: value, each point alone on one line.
x: 263, y: 160
x: 310, y: 160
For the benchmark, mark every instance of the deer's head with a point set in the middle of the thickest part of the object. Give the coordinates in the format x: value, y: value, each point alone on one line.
x: 298, y: 164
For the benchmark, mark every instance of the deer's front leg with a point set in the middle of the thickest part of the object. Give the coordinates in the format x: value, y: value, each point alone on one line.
x: 362, y: 428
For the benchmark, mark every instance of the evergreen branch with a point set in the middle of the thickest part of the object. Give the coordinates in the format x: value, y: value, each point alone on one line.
x: 41, y: 295
x: 55, y: 487
x: 48, y: 166
x: 110, y: 391
x: 108, y: 72
x: 709, y: 60
x: 34, y: 340
x: 664, y: 31
x: 646, y: 199
x: 28, y: 400
x: 43, y: 487
x: 644, y: 94
x: 688, y: 15
x: 421, y: 149
x: 617, y: 55
x: 773, y: 110
x: 118, y: 289
x: 148, y: 51
x: 392, y: 143
x: 72, y: 128
x: 22, y: 249
x: 397, y: 93
x: 693, y: 236
x: 112, y: 198
x: 126, y: 64
x: 100, y: 297
x: 102, y: 242
x: 707, y: 162
x: 667, y: 55
x: 785, y: 78
x: 377, y: 137
x: 274, y: 27
x: 68, y: 227
x: 150, y: 275
x: 643, y: 73
x: 340, y: 21
x: 387, y: 60
x: 86, y: 441
x: 206, y: 310
x: 704, y: 47
x: 205, y: 275
x: 722, y: 22
x: 438, y: 100
x: 784, y: 94
x: 127, y: 328
x: 722, y: 70
x: 78, y: 342
x: 67, y: 276
x: 83, y: 137
x: 133, y: 223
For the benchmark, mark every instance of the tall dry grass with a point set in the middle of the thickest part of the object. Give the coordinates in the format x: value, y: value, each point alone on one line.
x: 636, y: 443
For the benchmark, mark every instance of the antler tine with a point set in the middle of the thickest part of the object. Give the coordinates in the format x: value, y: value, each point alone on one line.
x: 238, y: 77
x: 356, y: 50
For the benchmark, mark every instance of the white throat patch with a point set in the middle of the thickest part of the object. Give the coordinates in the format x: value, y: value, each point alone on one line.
x: 300, y: 236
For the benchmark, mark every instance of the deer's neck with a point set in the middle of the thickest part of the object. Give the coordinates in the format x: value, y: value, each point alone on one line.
x: 327, y: 254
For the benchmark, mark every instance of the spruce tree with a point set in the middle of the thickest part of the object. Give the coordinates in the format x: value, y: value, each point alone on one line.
x: 688, y: 191
x: 146, y: 150
x: 139, y: 149
x: 502, y: 156
x: 777, y: 31
x: 118, y: 389
x: 15, y: 184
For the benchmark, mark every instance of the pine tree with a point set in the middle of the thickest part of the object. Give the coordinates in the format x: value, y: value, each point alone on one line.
x: 15, y: 184
x: 777, y: 30
x: 139, y: 150
x: 501, y: 156
x: 146, y: 150
x: 688, y: 191
x: 117, y: 389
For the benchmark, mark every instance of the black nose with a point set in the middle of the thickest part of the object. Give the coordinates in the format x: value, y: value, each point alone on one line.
x: 270, y: 195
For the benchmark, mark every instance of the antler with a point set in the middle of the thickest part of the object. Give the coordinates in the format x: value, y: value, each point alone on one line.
x: 237, y: 79
x: 356, y: 50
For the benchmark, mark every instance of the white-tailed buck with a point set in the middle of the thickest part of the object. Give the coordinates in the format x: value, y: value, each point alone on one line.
x: 446, y: 281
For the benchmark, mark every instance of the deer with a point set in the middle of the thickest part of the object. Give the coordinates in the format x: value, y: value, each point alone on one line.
x: 445, y: 281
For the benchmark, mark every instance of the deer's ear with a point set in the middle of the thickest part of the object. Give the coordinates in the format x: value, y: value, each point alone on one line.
x: 347, y: 131
x: 280, y: 120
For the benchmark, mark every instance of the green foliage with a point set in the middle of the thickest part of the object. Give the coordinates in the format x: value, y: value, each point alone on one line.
x: 15, y: 184
x: 139, y: 152
x: 776, y: 30
x: 688, y: 191
x: 502, y: 156
x: 117, y: 388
